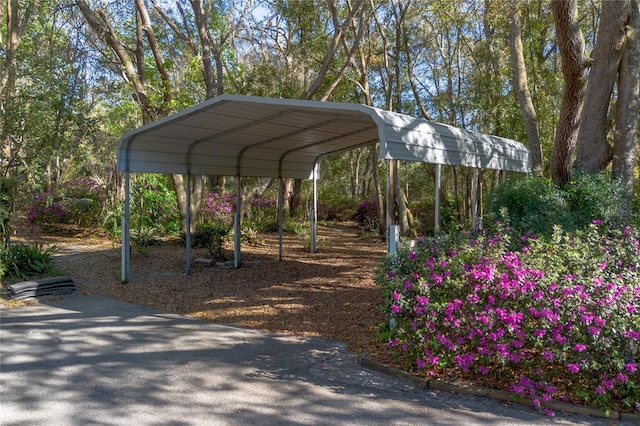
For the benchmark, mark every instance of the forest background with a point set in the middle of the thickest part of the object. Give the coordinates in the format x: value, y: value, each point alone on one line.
x: 561, y: 76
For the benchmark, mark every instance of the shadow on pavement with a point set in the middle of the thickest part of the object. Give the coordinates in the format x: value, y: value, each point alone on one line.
x: 94, y: 360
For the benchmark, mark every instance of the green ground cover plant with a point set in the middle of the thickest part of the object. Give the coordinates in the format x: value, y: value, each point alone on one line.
x: 558, y: 319
x: 22, y: 261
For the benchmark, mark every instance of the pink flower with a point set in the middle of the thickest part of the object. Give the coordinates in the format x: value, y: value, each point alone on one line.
x: 422, y: 300
x: 631, y: 367
x: 539, y: 332
x: 609, y: 384
x: 573, y: 368
x: 580, y: 347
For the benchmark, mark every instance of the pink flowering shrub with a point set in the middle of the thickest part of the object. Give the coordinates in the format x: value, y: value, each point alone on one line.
x: 558, y: 319
x: 367, y: 214
x: 75, y: 202
x: 217, y: 208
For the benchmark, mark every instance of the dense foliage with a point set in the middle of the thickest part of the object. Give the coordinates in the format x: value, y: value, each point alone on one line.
x: 76, y: 202
x: 544, y: 312
x: 558, y: 319
x: 7, y: 193
x: 366, y: 215
x: 20, y: 261
x: 534, y: 205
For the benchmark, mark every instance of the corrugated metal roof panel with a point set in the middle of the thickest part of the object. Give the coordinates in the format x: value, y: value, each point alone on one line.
x: 268, y: 137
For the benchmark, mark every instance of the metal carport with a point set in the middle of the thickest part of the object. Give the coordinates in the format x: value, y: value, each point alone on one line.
x: 235, y: 135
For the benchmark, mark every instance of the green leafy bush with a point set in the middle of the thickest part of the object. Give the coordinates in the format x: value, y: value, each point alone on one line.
x: 6, y: 205
x: 335, y: 207
x: 212, y: 237
x: 534, y: 205
x: 557, y: 320
x: 77, y: 202
x: 154, y: 204
x: 154, y: 209
x: 597, y: 196
x: 21, y: 261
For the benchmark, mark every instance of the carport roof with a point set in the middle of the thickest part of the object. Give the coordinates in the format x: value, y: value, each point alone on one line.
x: 235, y: 135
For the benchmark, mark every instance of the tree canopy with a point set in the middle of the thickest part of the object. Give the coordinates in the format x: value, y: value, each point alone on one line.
x: 560, y: 76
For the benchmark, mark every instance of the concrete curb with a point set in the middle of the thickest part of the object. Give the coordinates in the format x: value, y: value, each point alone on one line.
x: 496, y: 394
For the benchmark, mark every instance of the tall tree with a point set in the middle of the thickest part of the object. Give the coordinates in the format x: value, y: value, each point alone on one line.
x: 593, y: 151
x: 521, y: 88
x: 209, y: 48
x: 155, y: 88
x: 16, y: 20
x: 625, y: 140
x: 574, y: 71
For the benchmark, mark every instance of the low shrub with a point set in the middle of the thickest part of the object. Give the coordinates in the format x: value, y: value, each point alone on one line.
x: 217, y: 208
x: 78, y: 202
x: 7, y: 192
x: 20, y: 261
x: 335, y: 207
x: 597, y: 195
x: 557, y: 320
x: 212, y: 237
x: 366, y: 215
x: 153, y: 210
x: 534, y: 205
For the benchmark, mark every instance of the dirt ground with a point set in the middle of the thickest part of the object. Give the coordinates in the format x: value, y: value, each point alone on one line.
x: 330, y: 293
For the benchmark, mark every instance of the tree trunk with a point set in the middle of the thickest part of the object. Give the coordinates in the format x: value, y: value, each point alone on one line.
x: 521, y: 87
x: 252, y: 194
x: 593, y: 152
x: 571, y: 44
x: 296, y: 197
x: 15, y: 28
x: 625, y: 140
x: 288, y: 189
x: 382, y: 219
x: 456, y: 193
x: 196, y: 186
x: 401, y: 200
x: 357, y: 8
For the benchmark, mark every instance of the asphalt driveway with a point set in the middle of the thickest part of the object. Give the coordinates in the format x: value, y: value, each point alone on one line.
x: 94, y: 360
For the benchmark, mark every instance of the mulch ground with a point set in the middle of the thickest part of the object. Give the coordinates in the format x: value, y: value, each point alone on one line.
x: 330, y: 293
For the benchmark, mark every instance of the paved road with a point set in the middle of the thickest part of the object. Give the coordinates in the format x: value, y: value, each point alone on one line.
x: 93, y: 360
